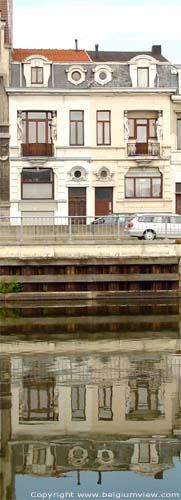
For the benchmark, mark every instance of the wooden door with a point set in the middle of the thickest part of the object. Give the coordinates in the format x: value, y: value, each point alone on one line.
x: 178, y: 203
x: 77, y: 203
x: 103, y: 201
x: 178, y: 197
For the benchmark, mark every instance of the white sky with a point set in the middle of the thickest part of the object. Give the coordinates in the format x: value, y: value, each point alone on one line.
x: 114, y: 25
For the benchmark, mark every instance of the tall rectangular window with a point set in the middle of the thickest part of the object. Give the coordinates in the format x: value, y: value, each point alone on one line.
x: 142, y: 77
x: 76, y: 128
x: 105, y: 403
x: 179, y: 134
x: 78, y: 402
x: 103, y: 128
x: 37, y: 75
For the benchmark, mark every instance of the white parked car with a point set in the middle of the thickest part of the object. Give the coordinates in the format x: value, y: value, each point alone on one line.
x: 149, y: 226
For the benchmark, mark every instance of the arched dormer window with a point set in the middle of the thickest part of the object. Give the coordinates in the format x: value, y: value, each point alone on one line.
x: 36, y: 71
x: 143, y: 71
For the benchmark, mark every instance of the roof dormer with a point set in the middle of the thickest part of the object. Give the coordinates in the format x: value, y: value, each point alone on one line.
x: 36, y: 71
x: 143, y: 71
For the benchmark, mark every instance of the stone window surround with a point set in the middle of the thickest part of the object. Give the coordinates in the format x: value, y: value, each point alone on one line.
x: 79, y: 69
x: 36, y: 61
x: 143, y: 61
x: 103, y: 68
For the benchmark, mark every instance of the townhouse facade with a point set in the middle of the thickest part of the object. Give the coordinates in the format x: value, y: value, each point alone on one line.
x: 93, y: 132
x: 5, y: 51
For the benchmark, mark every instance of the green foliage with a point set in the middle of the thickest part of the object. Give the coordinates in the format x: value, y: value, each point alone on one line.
x: 11, y: 286
x: 6, y: 313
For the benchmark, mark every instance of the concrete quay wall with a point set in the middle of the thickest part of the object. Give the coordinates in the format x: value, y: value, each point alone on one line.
x: 91, y: 270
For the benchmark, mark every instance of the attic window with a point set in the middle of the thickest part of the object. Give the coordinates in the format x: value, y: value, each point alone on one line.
x: 103, y: 74
x: 76, y: 75
x: 36, y: 75
x: 143, y: 77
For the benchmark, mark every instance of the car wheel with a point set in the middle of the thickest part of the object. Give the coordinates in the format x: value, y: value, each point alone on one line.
x: 149, y: 235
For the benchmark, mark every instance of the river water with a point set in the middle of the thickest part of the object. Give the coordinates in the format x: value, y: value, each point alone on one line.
x: 90, y: 400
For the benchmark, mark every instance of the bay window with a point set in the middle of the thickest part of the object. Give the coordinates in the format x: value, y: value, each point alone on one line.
x: 143, y: 183
x: 37, y: 183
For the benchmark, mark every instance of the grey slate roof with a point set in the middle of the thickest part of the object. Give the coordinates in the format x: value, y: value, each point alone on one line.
x: 112, y: 56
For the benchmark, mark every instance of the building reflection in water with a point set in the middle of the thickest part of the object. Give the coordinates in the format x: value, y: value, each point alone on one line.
x: 90, y: 405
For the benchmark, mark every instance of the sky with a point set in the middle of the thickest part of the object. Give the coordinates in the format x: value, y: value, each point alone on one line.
x: 123, y: 25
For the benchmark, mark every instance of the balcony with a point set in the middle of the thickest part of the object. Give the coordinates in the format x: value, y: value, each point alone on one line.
x: 143, y: 149
x: 37, y: 149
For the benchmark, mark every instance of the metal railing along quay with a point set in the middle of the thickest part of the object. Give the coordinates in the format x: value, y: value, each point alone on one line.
x: 36, y: 229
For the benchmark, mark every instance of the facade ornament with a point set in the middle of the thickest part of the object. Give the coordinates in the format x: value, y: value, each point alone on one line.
x: 104, y: 174
x: 54, y: 127
x: 77, y: 174
x: 20, y: 126
x: 159, y: 127
x: 4, y: 152
x: 126, y: 127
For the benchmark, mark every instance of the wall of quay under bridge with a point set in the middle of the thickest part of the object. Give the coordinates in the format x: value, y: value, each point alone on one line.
x: 91, y: 270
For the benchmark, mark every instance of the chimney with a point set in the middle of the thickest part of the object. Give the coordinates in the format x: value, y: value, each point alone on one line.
x: 96, y: 49
x: 76, y: 44
x: 157, y: 49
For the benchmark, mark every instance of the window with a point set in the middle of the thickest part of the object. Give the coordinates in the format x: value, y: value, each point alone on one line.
x: 76, y: 128
x: 179, y: 134
x: 143, y: 77
x: 37, y: 183
x: 105, y: 403
x: 38, y: 401
x: 142, y: 129
x: 37, y: 75
x: 78, y: 402
x: 36, y: 136
x: 36, y: 126
x: 103, y: 128
x: 143, y: 183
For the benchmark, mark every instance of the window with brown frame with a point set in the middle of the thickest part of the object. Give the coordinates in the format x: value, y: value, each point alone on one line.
x: 37, y: 75
x: 143, y: 77
x: 103, y: 128
x: 37, y: 183
x: 179, y: 134
x: 38, y: 400
x: 143, y: 184
x: 76, y: 128
x: 36, y: 140
x: 137, y: 127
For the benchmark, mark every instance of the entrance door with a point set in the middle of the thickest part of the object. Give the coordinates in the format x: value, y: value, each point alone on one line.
x: 77, y: 202
x: 103, y: 201
x: 178, y: 197
x: 141, y: 136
